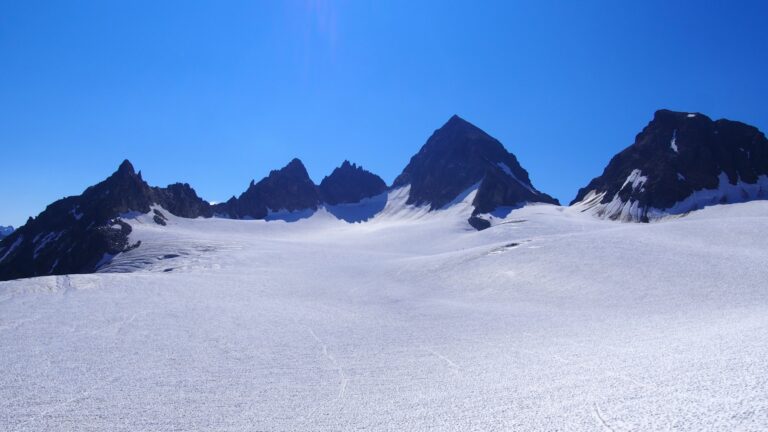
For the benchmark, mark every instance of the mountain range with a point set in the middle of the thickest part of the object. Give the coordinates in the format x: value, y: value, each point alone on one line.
x: 679, y: 163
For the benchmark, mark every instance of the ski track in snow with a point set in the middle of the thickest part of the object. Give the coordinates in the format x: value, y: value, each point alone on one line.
x: 410, y: 321
x: 601, y: 419
x: 342, y: 377
x: 443, y: 358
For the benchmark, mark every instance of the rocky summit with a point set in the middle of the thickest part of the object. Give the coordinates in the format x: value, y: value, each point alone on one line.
x: 350, y: 183
x: 78, y: 233
x: 680, y: 162
x: 460, y: 156
x: 287, y: 189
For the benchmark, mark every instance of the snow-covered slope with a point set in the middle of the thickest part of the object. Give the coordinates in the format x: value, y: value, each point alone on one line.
x: 550, y: 320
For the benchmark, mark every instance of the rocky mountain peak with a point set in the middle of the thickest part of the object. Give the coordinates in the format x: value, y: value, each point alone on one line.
x: 126, y: 168
x: 350, y: 183
x: 294, y: 171
x: 295, y: 166
x: 681, y: 161
x: 459, y: 156
x: 78, y: 233
x: 286, y: 189
x: 456, y: 122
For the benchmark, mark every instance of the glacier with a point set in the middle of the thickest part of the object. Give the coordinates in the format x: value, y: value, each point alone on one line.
x: 411, y: 320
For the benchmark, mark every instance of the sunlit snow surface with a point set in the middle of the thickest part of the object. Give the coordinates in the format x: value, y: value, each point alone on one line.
x: 550, y: 320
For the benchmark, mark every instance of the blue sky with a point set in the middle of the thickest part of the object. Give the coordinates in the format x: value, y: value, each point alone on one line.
x: 218, y: 93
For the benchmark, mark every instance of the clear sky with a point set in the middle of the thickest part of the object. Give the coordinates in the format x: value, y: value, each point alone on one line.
x: 218, y: 93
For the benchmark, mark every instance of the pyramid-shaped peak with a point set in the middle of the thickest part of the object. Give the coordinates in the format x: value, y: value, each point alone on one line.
x: 295, y: 166
x: 288, y: 188
x: 456, y: 122
x: 295, y: 163
x: 294, y: 169
x: 459, y: 132
x: 126, y: 167
x: 125, y: 174
x: 458, y: 156
x: 455, y: 118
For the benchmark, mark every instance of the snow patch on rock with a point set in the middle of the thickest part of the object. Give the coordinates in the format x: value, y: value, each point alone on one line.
x: 673, y: 143
x: 12, y: 248
x: 509, y: 172
x: 629, y: 211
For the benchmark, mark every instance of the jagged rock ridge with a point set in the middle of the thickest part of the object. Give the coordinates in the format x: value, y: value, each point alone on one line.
x: 79, y: 233
x: 350, y: 183
x: 286, y: 189
x: 680, y: 162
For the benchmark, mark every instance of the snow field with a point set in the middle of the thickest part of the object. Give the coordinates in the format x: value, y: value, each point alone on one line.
x: 550, y: 320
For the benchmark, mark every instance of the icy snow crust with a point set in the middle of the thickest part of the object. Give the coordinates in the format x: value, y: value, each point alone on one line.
x: 550, y: 320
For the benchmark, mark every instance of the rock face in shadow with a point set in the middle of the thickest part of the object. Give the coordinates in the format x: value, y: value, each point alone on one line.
x: 680, y: 162
x: 350, y: 183
x: 459, y: 156
x: 79, y: 233
x: 288, y: 189
x: 181, y: 200
x: 479, y: 223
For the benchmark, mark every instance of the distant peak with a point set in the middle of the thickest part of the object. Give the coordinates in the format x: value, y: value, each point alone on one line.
x: 126, y: 167
x: 294, y: 168
x: 295, y: 163
x: 347, y: 165
x: 458, y: 124
x: 350, y: 183
x: 456, y: 120
x: 125, y: 173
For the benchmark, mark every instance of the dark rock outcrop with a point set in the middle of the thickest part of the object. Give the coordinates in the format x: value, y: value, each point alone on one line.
x: 680, y: 162
x: 181, y: 200
x: 459, y: 156
x: 77, y: 234
x: 288, y: 188
x: 350, y: 183
x: 479, y: 223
